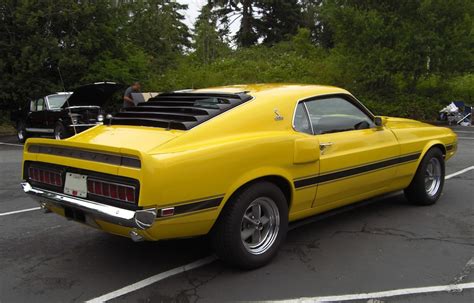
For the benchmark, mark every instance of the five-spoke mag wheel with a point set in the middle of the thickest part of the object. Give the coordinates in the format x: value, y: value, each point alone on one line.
x: 260, y: 225
x: 252, y: 226
x: 427, y: 184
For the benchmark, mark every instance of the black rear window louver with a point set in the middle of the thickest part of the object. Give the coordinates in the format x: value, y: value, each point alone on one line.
x: 181, y: 111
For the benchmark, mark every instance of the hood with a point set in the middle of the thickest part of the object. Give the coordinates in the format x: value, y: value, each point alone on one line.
x: 93, y: 94
x: 398, y: 123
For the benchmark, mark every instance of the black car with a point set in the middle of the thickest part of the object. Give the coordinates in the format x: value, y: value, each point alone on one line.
x: 64, y: 114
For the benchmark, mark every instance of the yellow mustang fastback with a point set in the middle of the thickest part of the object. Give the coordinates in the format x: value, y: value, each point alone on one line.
x: 236, y: 162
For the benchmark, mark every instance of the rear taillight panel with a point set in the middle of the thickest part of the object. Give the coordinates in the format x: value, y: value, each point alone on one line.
x: 111, y: 190
x: 45, y: 176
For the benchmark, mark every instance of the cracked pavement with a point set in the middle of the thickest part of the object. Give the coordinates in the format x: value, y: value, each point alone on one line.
x: 382, y: 244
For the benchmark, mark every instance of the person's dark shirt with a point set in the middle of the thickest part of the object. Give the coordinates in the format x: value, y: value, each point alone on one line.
x: 128, y: 93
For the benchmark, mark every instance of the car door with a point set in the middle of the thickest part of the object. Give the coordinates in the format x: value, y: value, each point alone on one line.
x: 37, y: 118
x: 358, y: 159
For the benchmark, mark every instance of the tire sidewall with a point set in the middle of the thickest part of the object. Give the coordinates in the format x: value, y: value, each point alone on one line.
x: 21, y: 128
x: 432, y: 153
x: 260, y: 190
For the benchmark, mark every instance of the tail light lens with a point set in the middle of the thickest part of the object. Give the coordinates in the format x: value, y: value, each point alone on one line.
x: 120, y: 192
x: 45, y: 176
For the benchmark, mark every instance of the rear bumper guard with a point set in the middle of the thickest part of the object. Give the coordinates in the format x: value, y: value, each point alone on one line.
x: 140, y: 219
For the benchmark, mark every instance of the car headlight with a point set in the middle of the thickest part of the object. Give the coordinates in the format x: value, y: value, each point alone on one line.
x: 100, y: 118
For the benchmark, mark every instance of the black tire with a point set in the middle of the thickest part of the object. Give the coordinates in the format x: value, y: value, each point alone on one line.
x: 21, y: 132
x: 60, y: 131
x: 418, y: 192
x: 226, y: 236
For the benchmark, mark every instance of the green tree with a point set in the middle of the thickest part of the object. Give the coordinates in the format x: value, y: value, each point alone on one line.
x: 231, y: 11
x: 208, y: 43
x: 280, y: 20
x: 157, y: 26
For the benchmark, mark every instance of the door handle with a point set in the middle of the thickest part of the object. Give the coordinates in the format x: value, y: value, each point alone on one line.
x: 324, y: 145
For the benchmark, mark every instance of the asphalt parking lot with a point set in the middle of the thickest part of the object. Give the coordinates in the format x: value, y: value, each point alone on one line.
x: 382, y: 245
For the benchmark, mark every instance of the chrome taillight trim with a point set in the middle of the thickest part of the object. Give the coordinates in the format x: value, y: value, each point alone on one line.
x: 83, y: 154
x: 116, y: 184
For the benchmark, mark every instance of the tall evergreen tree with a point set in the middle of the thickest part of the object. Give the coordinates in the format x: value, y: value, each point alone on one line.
x: 231, y: 11
x: 158, y: 27
x: 280, y: 19
x: 208, y: 43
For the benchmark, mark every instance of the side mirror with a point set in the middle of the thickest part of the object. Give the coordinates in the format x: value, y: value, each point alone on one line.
x: 380, y: 121
x: 307, y: 150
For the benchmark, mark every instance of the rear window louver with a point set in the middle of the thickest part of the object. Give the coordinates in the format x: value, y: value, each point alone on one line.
x: 181, y: 111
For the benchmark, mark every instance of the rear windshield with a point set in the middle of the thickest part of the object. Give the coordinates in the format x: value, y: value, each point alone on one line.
x: 178, y: 110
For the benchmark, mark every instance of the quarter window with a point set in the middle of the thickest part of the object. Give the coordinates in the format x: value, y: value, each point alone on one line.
x: 32, y: 105
x: 301, y: 120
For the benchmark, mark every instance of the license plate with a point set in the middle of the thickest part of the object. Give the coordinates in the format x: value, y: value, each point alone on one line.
x: 76, y: 185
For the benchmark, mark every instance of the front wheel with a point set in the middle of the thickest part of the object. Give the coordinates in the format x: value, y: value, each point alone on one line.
x: 21, y: 133
x: 252, y: 226
x: 427, y: 185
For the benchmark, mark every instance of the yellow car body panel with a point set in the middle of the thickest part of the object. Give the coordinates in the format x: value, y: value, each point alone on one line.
x: 254, y: 140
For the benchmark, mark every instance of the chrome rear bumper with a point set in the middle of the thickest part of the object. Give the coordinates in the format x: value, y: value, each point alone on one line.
x: 140, y: 219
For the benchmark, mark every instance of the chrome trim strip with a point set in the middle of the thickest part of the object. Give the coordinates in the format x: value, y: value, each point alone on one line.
x: 141, y: 219
x: 82, y: 106
x: 83, y: 154
x: 39, y: 130
x: 85, y: 124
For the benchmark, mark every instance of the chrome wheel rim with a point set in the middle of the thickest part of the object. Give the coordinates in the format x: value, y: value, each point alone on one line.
x: 433, y: 177
x: 21, y: 134
x: 260, y: 225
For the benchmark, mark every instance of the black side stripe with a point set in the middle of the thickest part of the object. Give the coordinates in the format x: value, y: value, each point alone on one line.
x: 196, y: 206
x: 449, y: 147
x: 355, y: 171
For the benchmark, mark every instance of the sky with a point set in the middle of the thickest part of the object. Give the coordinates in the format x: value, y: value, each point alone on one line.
x: 193, y: 12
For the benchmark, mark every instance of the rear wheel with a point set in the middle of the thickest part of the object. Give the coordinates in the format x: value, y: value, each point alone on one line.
x: 427, y: 185
x: 252, y: 226
x: 60, y: 131
x: 21, y: 133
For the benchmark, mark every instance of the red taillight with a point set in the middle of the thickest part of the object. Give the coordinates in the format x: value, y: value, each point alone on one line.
x: 45, y: 176
x: 114, y: 191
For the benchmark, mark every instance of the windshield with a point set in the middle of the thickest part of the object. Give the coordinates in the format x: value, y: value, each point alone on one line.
x: 56, y: 101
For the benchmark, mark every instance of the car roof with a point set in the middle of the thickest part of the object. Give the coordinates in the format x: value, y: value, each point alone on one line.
x: 291, y: 91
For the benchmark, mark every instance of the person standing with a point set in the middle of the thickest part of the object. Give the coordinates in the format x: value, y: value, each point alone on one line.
x: 128, y: 97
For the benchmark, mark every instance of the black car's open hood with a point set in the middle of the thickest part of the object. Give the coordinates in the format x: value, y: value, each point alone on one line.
x: 93, y: 94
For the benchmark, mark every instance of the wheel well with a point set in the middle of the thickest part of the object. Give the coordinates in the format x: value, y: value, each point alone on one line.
x: 279, y: 181
x: 441, y: 147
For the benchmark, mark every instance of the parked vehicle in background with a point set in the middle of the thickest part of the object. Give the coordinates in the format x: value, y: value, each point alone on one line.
x: 64, y: 114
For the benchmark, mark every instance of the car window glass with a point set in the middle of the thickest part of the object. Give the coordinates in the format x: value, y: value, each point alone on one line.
x: 301, y: 121
x: 336, y: 114
x: 32, y: 105
x: 56, y: 101
x: 40, y: 104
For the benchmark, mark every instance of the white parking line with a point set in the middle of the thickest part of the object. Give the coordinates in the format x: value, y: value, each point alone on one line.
x: 465, y: 138
x: 462, y: 171
x: 386, y: 294
x: 152, y: 279
x: 463, y: 132
x: 10, y: 144
x: 19, y: 211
